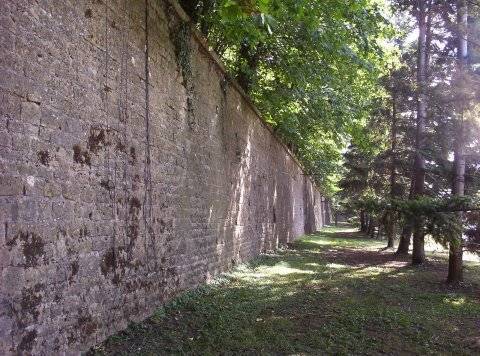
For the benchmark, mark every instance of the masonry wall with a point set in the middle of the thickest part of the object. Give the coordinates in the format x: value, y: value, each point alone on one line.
x: 130, y: 170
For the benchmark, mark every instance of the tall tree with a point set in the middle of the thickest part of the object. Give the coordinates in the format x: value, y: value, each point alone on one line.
x: 455, y: 261
x: 397, y: 88
x: 424, y: 16
x: 391, y: 224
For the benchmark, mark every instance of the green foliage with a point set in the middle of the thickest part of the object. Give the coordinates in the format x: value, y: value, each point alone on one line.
x: 441, y: 215
x: 312, y: 68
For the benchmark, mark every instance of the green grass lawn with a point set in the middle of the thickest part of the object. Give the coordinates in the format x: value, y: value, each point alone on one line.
x: 334, y: 292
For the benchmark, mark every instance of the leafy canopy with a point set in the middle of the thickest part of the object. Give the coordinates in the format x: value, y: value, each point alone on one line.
x: 312, y: 68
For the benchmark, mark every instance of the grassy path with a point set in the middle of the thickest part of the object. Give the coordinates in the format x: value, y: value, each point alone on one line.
x: 329, y: 293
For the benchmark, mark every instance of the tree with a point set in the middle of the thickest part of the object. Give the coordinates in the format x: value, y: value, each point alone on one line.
x: 399, y: 89
x: 424, y: 17
x: 455, y: 260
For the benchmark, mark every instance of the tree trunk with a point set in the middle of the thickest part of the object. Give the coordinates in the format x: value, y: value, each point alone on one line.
x: 391, y: 223
x: 418, y: 253
x: 371, y: 228
x: 407, y: 229
x: 405, y: 237
x: 363, y: 223
x: 455, y: 264
x: 379, y: 232
x: 390, y: 232
x: 455, y: 260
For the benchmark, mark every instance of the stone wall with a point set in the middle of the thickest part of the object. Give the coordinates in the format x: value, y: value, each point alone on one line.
x: 131, y: 170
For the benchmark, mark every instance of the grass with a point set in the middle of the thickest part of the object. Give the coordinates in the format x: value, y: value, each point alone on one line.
x: 334, y: 292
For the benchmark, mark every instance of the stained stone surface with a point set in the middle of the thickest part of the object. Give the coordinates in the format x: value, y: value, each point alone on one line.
x: 131, y: 169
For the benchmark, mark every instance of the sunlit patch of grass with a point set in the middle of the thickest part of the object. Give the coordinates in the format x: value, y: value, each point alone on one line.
x: 282, y: 268
x: 336, y: 266
x: 327, y: 293
x: 455, y: 301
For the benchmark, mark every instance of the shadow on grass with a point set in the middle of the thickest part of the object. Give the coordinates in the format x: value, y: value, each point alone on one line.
x: 331, y: 292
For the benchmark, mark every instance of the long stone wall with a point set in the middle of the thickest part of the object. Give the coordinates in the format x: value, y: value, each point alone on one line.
x: 131, y: 170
